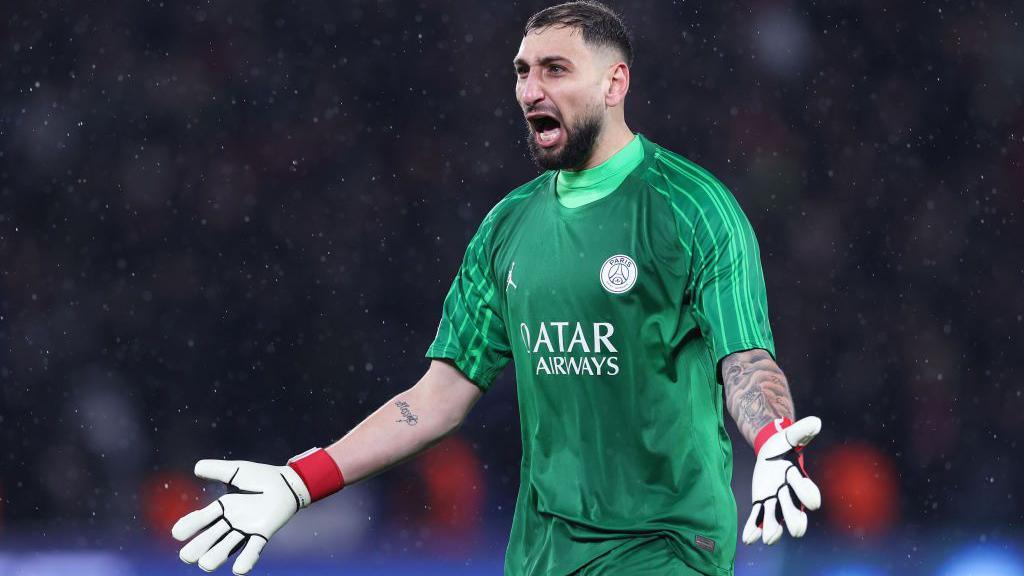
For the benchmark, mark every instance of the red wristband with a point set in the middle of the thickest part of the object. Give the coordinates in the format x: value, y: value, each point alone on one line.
x: 319, y: 472
x: 777, y: 425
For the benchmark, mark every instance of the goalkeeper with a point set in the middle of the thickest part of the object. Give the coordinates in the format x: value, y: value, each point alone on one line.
x: 625, y: 285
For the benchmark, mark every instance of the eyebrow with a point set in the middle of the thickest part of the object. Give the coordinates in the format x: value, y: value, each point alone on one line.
x: 542, y: 62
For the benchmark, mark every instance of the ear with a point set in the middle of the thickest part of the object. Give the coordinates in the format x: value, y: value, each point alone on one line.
x: 618, y: 85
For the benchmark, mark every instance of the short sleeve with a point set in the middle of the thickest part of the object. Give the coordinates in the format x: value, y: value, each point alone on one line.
x: 730, y: 303
x: 472, y: 332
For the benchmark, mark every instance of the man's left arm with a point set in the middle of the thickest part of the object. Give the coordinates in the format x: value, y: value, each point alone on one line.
x: 731, y: 309
x: 756, y: 391
x: 757, y: 396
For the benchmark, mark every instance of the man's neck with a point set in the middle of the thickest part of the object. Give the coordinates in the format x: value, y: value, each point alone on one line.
x: 613, y: 138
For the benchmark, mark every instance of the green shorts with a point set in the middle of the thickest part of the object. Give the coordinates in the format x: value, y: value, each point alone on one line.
x: 641, y: 558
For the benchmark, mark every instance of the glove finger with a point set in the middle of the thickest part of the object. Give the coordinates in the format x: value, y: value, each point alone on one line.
x: 796, y: 519
x: 751, y: 531
x: 220, y: 552
x: 195, y: 521
x: 201, y: 544
x: 250, y: 554
x: 806, y: 490
x: 219, y: 470
x: 771, y: 528
x: 801, y: 432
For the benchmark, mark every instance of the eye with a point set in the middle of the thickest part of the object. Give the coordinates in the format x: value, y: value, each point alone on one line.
x: 556, y: 69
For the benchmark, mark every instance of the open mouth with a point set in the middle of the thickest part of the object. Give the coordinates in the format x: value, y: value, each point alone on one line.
x: 546, y: 128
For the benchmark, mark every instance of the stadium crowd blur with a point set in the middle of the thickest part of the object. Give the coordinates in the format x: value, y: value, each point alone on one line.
x: 226, y: 230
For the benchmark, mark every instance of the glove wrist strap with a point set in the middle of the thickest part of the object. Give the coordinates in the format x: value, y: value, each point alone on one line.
x: 770, y: 429
x: 319, y: 474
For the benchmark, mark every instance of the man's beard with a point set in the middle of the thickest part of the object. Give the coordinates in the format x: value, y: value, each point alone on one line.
x: 579, y: 145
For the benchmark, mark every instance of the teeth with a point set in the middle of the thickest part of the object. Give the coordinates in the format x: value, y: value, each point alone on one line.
x: 549, y: 136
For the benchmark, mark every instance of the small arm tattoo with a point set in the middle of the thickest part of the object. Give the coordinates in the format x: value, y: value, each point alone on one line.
x: 756, y: 391
x: 407, y: 416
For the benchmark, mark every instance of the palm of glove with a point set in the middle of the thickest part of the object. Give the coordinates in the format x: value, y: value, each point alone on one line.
x: 264, y: 498
x: 777, y: 479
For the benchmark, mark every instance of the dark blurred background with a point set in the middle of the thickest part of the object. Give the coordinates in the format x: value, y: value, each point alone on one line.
x: 227, y: 228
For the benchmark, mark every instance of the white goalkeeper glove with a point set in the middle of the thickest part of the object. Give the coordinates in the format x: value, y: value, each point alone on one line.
x: 779, y: 475
x: 261, y: 499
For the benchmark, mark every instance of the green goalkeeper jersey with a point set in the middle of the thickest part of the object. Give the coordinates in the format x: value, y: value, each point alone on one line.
x: 615, y: 314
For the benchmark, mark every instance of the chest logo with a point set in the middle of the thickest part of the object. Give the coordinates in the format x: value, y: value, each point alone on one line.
x: 618, y: 274
x: 509, y: 282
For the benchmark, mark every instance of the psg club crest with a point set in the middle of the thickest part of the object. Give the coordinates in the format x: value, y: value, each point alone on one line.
x: 618, y: 274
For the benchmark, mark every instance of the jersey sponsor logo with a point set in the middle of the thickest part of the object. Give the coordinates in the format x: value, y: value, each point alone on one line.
x: 510, y: 282
x: 557, y: 348
x: 618, y: 274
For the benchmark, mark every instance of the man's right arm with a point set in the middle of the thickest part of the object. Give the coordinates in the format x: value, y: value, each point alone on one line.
x: 267, y: 496
x: 407, y: 424
x: 471, y: 346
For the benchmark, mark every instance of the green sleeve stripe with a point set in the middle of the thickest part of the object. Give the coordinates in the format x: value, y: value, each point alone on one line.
x: 730, y: 213
x: 477, y: 351
x: 748, y: 253
x: 715, y: 247
x: 483, y: 285
x: 677, y: 210
x: 448, y: 336
x: 682, y: 235
x: 728, y: 206
x: 737, y: 304
x: 478, y: 338
x: 460, y: 331
x: 727, y: 212
x: 750, y: 250
x: 472, y: 331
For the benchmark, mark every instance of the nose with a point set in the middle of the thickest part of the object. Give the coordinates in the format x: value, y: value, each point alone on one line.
x: 532, y: 92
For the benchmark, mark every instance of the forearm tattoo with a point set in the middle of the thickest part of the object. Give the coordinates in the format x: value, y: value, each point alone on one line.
x: 407, y: 416
x: 756, y: 391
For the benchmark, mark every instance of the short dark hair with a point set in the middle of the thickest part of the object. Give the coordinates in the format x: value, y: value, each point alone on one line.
x: 599, y: 24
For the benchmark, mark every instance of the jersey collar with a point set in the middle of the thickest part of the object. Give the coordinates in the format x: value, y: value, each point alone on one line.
x: 620, y: 164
